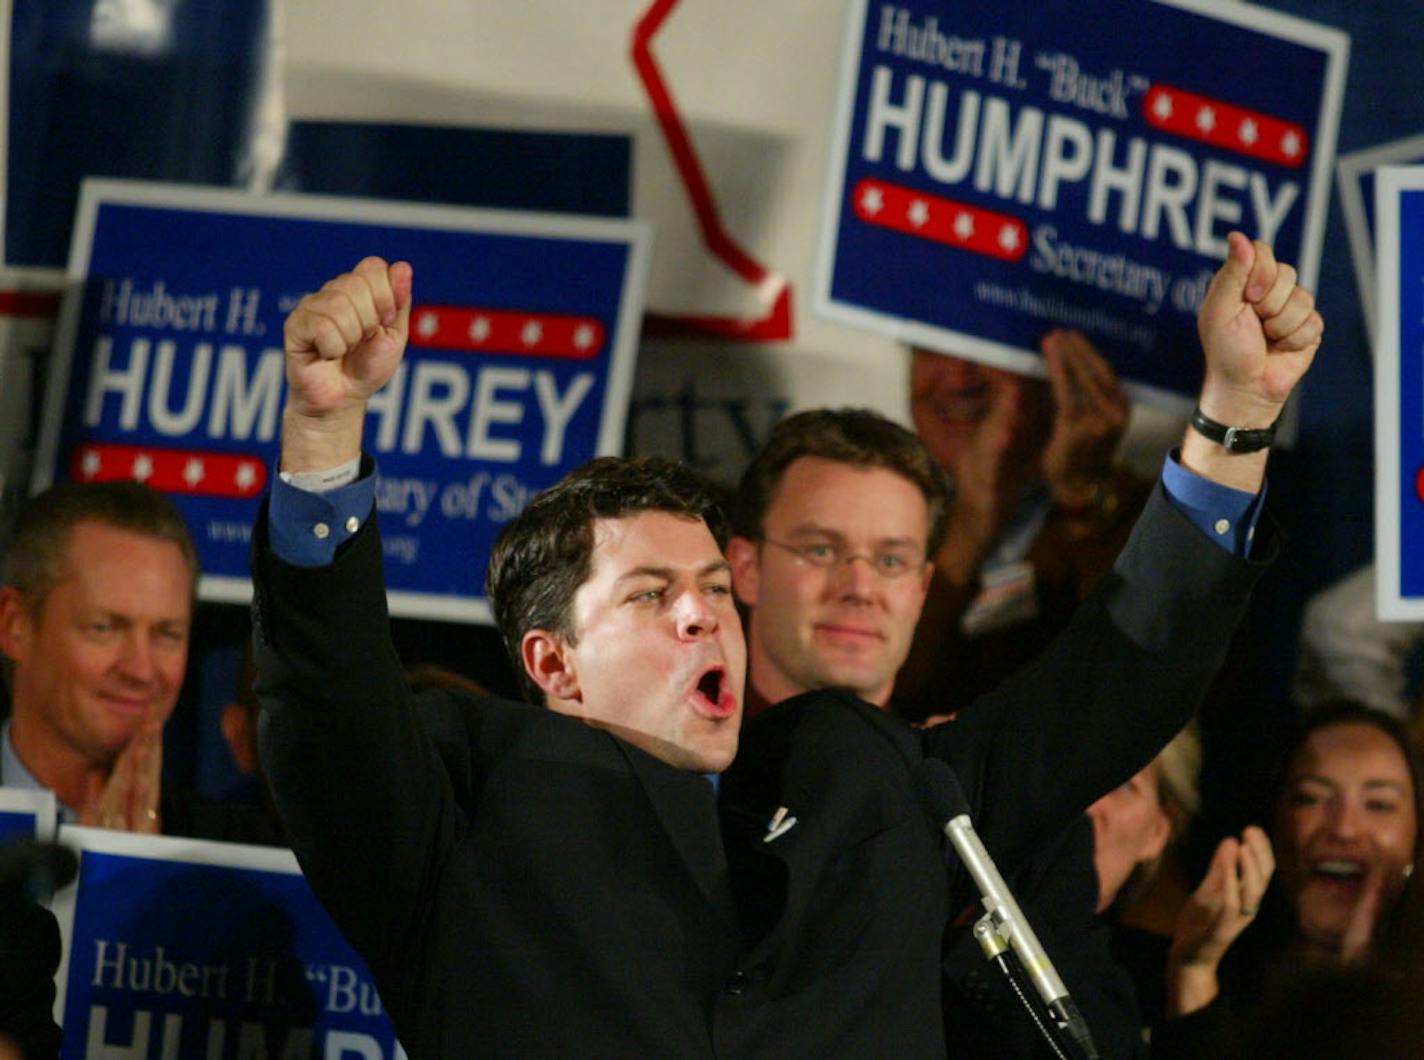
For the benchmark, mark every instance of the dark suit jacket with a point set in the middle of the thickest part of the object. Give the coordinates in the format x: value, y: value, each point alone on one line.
x: 29, y: 959
x: 519, y: 883
x: 522, y: 884
x: 851, y: 920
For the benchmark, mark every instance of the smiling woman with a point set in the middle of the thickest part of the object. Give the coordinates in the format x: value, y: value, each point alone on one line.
x: 1347, y: 828
x: 1346, y: 837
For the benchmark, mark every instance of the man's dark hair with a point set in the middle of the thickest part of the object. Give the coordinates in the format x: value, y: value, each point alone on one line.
x: 35, y: 560
x: 858, y: 437
x: 546, y: 553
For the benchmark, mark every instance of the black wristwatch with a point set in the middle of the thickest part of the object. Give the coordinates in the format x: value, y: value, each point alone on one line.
x: 1233, y: 439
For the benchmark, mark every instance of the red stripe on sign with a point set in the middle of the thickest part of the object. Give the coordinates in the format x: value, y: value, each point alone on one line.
x: 1224, y: 125
x: 955, y: 224
x: 182, y: 471
x: 500, y: 331
x: 28, y: 304
x: 774, y: 327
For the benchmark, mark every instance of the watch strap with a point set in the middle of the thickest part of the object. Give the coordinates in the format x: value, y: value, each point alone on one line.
x: 1233, y: 439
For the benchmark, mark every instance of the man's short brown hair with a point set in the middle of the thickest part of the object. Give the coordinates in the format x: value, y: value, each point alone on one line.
x: 858, y: 437
x: 35, y: 560
x: 546, y: 553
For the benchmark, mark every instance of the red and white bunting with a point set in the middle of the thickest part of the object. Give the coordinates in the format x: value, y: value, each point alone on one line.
x: 955, y: 224
x: 183, y: 471
x: 471, y: 330
x: 1224, y: 125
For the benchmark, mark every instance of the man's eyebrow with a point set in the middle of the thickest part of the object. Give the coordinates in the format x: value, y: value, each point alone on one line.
x: 814, y: 528
x: 805, y: 529
x: 716, y: 566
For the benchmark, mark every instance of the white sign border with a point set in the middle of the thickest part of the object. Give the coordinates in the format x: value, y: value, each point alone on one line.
x: 95, y: 192
x: 41, y: 803
x: 154, y: 848
x: 1390, y: 603
x: 1348, y: 171
x: 1333, y: 42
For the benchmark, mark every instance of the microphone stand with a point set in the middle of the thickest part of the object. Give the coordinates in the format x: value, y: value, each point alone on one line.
x: 1003, y: 926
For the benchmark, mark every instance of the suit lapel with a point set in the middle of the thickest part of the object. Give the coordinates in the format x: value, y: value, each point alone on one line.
x: 810, y: 755
x: 686, y: 806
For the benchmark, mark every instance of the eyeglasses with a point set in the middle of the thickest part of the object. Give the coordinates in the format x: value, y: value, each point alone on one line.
x: 892, y: 562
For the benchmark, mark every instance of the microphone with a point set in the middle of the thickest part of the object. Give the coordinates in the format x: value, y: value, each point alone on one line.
x: 943, y: 799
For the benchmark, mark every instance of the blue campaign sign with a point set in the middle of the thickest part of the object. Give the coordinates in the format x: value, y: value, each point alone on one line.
x: 1399, y: 393
x: 1357, y: 200
x: 1001, y: 169
x: 187, y: 948
x: 26, y: 814
x: 170, y: 370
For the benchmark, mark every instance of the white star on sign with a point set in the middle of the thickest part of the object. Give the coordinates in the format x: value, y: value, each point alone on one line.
x: 245, y: 477
x: 918, y: 213
x: 964, y: 225
x: 1249, y: 133
x: 1206, y: 119
x: 193, y: 471
x: 583, y: 336
x: 1162, y: 106
x: 427, y: 325
x: 142, y: 467
x: 479, y: 329
x: 1290, y: 144
x: 89, y: 463
x: 872, y: 202
x: 532, y: 333
x: 1009, y: 237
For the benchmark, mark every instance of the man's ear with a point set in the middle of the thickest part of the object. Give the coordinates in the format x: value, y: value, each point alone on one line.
x: 239, y: 729
x: 745, y: 561
x: 1156, y: 841
x: 549, y: 664
x: 16, y: 624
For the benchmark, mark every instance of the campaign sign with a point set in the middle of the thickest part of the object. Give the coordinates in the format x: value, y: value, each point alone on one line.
x: 1399, y: 393
x: 26, y: 814
x: 29, y: 305
x: 170, y: 367
x: 1356, y: 173
x: 179, y: 947
x: 1001, y: 169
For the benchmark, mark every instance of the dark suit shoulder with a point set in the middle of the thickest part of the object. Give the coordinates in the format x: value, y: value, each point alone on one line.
x: 825, y: 714
x: 474, y: 734
x: 828, y: 749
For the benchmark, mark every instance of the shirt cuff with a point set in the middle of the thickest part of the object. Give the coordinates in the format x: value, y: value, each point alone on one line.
x: 322, y: 481
x: 306, y: 525
x: 1226, y: 515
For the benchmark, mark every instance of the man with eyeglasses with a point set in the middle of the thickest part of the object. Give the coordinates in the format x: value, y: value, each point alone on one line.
x: 837, y: 518
x: 833, y: 523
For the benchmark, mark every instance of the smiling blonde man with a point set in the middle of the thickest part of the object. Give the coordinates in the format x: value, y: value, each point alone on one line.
x: 94, y: 621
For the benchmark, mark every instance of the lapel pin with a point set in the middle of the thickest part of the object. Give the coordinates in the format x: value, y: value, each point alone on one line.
x: 781, y: 822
